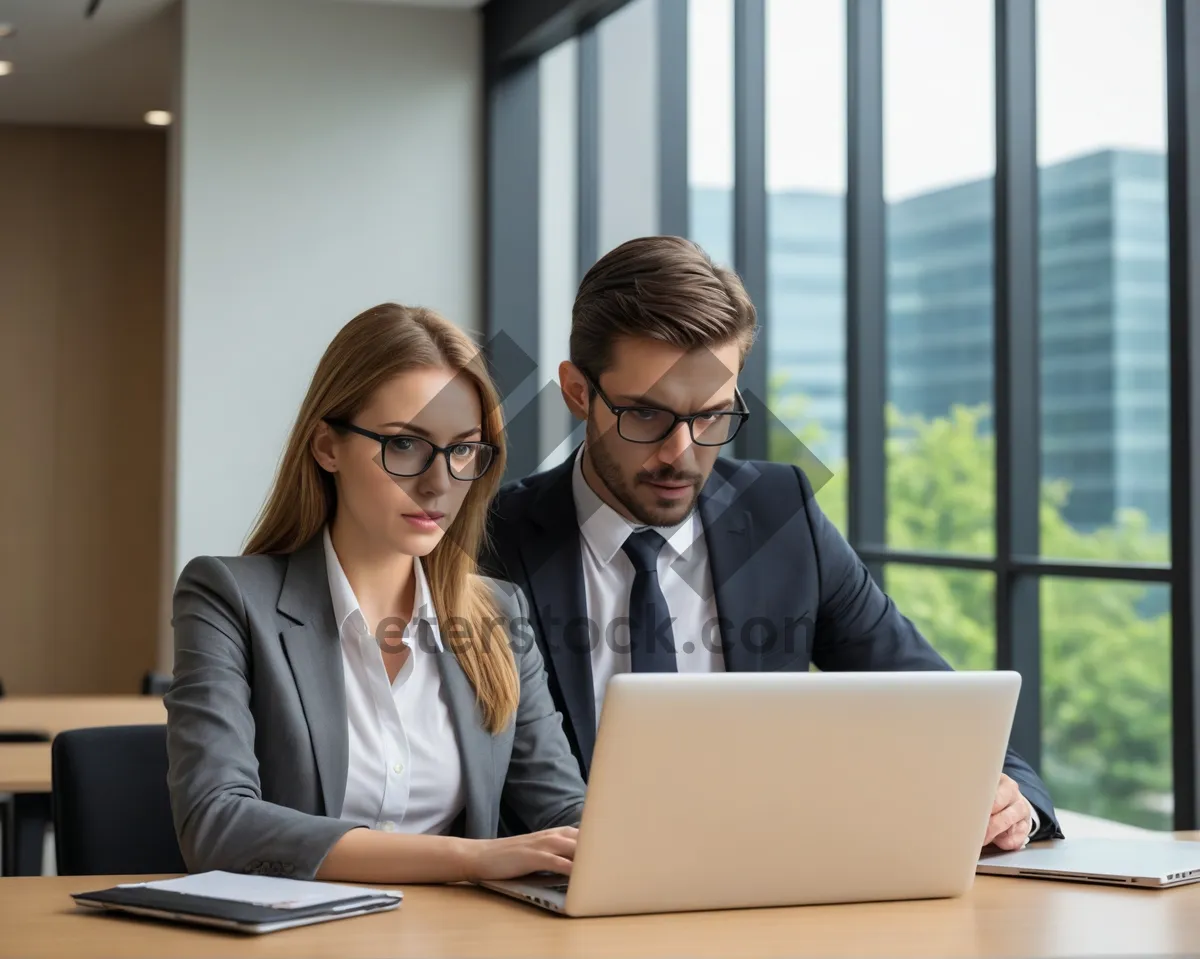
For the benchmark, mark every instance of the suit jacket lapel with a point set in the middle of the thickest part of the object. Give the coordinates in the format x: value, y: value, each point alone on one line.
x: 729, y: 536
x: 554, y: 567
x: 475, y: 748
x: 314, y: 652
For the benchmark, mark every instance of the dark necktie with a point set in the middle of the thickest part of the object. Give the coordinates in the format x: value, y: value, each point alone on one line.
x: 651, y: 641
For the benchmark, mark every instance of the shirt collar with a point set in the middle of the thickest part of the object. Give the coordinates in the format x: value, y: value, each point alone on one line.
x: 345, y: 603
x: 605, y: 530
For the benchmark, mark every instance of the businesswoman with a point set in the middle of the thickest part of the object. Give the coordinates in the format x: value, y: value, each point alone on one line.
x: 350, y: 700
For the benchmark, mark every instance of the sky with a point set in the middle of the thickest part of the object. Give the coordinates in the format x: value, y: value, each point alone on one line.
x: 1100, y: 71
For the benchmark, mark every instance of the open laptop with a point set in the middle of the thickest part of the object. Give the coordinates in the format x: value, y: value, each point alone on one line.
x: 1153, y: 862
x: 768, y: 789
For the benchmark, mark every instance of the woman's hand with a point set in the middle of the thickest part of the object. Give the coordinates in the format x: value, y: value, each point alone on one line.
x: 551, y: 850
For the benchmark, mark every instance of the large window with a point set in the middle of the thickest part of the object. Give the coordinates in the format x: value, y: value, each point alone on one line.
x: 558, y: 237
x: 1097, y: 650
x: 938, y: 160
x: 1105, y: 419
x: 1102, y: 154
x: 628, y: 119
x: 953, y: 217
x: 1106, y: 655
x: 710, y: 126
x: 806, y: 193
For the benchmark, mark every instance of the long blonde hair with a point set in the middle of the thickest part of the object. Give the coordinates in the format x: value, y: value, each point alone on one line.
x: 375, y: 346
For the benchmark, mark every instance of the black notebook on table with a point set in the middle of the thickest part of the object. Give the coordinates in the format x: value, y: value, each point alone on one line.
x: 252, y: 904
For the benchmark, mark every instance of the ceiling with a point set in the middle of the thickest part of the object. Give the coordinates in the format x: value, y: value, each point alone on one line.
x: 104, y: 71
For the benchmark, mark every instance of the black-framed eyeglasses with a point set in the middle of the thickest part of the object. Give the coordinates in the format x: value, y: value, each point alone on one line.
x: 648, y: 424
x: 404, y: 455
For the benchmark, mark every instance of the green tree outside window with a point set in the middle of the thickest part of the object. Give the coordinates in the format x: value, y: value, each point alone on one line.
x: 1106, y: 678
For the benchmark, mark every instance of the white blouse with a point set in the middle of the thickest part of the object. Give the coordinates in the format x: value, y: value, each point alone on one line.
x: 404, y: 772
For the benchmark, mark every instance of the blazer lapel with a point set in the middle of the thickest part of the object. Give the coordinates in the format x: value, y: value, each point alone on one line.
x: 729, y: 536
x: 475, y: 748
x: 554, y: 567
x: 314, y: 652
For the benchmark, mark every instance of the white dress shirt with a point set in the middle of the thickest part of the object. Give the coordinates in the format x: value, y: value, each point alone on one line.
x: 404, y: 772
x: 683, y: 575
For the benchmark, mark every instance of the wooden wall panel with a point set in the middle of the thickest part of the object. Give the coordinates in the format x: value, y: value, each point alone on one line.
x: 82, y: 305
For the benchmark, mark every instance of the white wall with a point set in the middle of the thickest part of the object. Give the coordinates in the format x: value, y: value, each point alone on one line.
x: 329, y: 158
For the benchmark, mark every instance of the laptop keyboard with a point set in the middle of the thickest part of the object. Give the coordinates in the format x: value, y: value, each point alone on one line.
x: 551, y: 881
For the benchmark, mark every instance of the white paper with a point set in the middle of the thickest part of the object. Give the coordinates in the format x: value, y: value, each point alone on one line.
x: 263, y: 890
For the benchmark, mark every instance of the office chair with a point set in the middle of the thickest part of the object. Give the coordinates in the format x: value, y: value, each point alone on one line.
x: 112, y: 810
x: 11, y: 864
x: 20, y: 735
x: 155, y: 684
x: 8, y: 825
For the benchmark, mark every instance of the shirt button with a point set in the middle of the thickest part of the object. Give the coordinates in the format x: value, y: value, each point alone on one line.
x: 398, y: 768
x: 388, y: 826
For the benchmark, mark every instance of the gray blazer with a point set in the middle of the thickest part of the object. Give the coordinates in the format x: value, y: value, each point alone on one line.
x: 256, y: 722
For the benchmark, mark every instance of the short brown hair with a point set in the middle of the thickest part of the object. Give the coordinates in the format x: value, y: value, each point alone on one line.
x: 664, y: 288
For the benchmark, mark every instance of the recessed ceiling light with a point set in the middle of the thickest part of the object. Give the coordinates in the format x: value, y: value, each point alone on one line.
x: 6, y: 68
x: 7, y: 30
x: 158, y: 118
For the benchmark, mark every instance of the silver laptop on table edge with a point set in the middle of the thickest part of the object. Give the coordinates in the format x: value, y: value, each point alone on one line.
x: 719, y: 791
x: 1155, y: 862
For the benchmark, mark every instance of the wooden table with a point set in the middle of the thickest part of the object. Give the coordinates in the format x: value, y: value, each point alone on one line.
x: 25, y: 767
x: 998, y: 917
x: 53, y: 714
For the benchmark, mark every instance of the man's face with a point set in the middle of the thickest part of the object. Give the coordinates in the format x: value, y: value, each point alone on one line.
x: 657, y: 483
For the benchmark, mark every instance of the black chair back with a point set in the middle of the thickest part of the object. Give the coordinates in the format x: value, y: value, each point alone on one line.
x: 23, y: 736
x: 112, y: 809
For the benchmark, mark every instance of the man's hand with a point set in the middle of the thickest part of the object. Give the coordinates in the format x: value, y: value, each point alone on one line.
x: 1008, y: 827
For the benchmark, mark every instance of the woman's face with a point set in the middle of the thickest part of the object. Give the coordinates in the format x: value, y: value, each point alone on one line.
x: 409, y: 514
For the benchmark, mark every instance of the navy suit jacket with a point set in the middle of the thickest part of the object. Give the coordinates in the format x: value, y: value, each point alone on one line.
x: 790, y: 591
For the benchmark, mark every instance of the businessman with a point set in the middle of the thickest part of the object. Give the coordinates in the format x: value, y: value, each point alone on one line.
x: 649, y: 551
